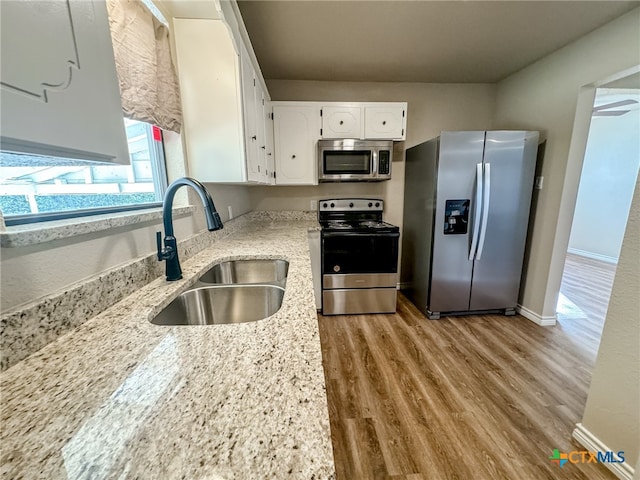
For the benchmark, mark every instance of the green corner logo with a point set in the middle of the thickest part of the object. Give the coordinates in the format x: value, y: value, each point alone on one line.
x: 558, y: 458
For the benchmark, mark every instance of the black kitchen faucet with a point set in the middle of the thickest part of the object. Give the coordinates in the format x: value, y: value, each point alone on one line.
x: 170, y: 250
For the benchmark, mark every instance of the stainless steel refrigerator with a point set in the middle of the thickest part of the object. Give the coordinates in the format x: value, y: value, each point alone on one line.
x: 466, y: 211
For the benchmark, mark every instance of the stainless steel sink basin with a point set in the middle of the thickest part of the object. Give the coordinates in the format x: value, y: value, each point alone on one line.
x: 248, y: 272
x: 222, y: 304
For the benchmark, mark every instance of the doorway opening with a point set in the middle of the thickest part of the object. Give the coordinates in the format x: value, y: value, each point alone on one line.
x: 607, y: 183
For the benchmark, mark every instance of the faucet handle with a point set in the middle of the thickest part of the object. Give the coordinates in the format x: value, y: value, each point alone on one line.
x: 159, y: 245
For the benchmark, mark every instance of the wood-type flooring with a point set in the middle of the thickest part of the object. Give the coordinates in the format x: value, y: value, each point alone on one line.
x: 473, y: 397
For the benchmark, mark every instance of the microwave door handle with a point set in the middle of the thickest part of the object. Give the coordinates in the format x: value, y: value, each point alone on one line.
x: 374, y: 162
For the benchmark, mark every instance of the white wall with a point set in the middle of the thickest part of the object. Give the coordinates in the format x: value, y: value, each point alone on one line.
x: 432, y: 108
x: 612, y: 412
x: 608, y: 177
x: 544, y: 97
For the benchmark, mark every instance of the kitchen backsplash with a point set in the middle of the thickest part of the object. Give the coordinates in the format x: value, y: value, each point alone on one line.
x: 30, y: 327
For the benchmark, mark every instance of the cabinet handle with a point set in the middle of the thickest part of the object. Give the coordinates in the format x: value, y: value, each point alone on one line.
x: 254, y: 137
x: 269, y: 154
x: 263, y: 147
x: 258, y: 168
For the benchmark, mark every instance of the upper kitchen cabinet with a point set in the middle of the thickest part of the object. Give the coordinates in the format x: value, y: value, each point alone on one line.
x: 224, y: 101
x: 296, y: 133
x: 385, y: 122
x: 376, y: 120
x: 258, y: 134
x: 342, y: 121
x: 269, y: 150
x: 209, y: 74
x: 251, y: 100
x: 59, y: 89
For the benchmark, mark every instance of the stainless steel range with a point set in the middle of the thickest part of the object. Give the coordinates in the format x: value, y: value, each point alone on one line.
x: 359, y: 257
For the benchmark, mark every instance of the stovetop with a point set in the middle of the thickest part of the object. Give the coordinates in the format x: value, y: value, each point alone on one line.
x: 362, y: 215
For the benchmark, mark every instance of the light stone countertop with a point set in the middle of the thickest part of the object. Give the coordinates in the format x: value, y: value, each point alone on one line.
x: 122, y: 398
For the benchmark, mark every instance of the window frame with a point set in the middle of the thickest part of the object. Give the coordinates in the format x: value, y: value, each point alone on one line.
x: 160, y: 183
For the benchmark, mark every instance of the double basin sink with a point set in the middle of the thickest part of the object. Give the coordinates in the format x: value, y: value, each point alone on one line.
x: 234, y: 291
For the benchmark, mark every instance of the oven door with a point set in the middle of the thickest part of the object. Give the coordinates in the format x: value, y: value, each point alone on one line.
x: 346, y: 253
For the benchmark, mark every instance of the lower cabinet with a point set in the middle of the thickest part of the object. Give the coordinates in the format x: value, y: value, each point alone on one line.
x: 296, y: 132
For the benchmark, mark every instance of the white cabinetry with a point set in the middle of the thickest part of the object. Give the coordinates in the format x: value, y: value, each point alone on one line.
x: 375, y: 120
x: 60, y: 93
x: 385, y: 122
x: 209, y: 73
x: 223, y: 101
x: 296, y: 132
x: 270, y: 157
x: 342, y: 121
x: 252, y: 104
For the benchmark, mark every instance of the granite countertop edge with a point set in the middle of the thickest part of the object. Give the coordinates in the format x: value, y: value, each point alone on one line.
x: 121, y: 396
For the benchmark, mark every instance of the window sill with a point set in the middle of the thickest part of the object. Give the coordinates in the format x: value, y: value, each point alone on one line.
x: 32, y: 234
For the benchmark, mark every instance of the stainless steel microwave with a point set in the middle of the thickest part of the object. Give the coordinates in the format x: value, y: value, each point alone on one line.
x: 350, y: 160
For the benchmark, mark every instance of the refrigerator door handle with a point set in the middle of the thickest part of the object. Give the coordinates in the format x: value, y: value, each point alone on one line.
x: 478, y: 209
x: 485, y: 208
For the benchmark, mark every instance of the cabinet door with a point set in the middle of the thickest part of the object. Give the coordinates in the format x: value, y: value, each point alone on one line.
x: 341, y: 122
x: 296, y: 131
x: 250, y: 108
x: 270, y: 157
x: 208, y: 69
x: 60, y: 93
x: 384, y: 122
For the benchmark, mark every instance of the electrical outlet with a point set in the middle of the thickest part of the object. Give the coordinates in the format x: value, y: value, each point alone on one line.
x: 313, y: 205
x: 230, y: 210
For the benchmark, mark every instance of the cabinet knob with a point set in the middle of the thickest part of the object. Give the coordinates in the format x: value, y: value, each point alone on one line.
x: 269, y: 154
x: 293, y: 156
x: 384, y: 122
x: 351, y: 205
x: 263, y: 147
x: 341, y: 122
x: 254, y: 138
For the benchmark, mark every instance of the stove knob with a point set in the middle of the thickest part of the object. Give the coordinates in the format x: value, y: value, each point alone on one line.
x: 351, y: 205
x: 333, y: 204
x: 377, y: 204
x: 370, y: 204
x: 324, y: 204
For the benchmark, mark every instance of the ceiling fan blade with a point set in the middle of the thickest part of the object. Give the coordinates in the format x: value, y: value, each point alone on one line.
x: 610, y: 113
x: 621, y: 103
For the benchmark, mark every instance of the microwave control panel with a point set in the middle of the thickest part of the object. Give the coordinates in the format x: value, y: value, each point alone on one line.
x: 383, y: 162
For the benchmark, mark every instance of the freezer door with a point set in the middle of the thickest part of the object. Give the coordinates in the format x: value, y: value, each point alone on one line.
x: 509, y: 166
x: 460, y: 153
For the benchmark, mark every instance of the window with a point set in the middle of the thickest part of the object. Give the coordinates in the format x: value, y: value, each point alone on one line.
x: 36, y: 188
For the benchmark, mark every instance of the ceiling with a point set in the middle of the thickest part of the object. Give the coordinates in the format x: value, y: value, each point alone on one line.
x: 452, y: 41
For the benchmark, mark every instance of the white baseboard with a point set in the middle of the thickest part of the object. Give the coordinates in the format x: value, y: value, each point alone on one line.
x: 535, y: 318
x: 589, y: 441
x: 594, y: 256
